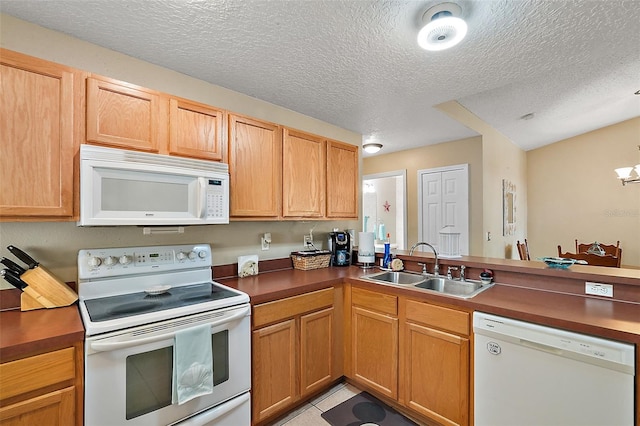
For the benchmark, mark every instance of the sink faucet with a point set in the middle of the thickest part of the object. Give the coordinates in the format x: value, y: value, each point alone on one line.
x: 436, y: 267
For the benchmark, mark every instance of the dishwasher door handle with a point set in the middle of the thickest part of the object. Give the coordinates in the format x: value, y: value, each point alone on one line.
x: 541, y: 347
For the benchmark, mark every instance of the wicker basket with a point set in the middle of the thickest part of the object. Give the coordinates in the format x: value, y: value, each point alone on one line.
x: 307, y: 260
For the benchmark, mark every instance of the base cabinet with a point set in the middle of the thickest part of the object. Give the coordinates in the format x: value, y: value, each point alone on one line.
x: 436, y: 357
x: 44, y: 389
x: 274, y: 368
x: 53, y: 408
x: 374, y: 341
x: 295, y: 351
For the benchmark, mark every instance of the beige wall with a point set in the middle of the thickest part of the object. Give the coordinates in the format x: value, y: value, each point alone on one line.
x: 574, y: 193
x: 56, y: 245
x: 501, y: 159
x: 463, y: 151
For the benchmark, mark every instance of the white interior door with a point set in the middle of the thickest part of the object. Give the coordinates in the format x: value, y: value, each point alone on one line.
x: 443, y: 200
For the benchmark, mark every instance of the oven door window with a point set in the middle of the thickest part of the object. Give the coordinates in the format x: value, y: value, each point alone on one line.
x: 149, y: 376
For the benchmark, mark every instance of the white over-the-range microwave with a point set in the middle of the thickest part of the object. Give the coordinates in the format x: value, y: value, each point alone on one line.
x: 122, y: 187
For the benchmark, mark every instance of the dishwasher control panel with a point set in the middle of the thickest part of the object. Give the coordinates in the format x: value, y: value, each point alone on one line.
x: 553, y: 340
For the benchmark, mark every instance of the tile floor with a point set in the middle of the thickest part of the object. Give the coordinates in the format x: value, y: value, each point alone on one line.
x: 309, y: 414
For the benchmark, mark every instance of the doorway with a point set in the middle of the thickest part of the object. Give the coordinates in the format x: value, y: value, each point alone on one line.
x: 384, y: 207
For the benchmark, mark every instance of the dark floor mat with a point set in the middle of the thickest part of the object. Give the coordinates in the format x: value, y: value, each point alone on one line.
x: 364, y: 409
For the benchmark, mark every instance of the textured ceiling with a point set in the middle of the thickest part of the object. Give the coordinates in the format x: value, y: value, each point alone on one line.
x: 356, y: 64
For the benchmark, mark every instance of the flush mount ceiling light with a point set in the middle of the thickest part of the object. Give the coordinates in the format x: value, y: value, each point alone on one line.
x: 372, y: 148
x: 444, y: 28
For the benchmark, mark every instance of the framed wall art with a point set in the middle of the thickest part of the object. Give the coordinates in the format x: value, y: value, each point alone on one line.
x: 508, y: 207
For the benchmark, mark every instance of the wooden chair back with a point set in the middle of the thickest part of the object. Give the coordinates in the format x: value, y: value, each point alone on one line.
x: 523, y: 250
x: 592, y: 259
x: 610, y: 249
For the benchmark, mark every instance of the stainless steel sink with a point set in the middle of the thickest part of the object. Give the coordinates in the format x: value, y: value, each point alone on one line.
x: 397, y: 277
x: 441, y: 285
x: 463, y: 289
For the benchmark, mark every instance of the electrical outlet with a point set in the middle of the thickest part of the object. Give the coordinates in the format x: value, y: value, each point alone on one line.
x: 598, y: 289
x: 266, y: 240
x: 308, y: 241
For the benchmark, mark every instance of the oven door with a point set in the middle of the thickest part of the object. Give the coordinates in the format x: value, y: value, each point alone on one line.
x: 128, y: 373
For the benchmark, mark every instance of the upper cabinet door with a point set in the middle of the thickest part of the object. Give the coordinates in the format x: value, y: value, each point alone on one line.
x: 38, y: 145
x: 342, y: 180
x: 123, y: 115
x: 196, y: 130
x: 303, y: 174
x: 255, y: 164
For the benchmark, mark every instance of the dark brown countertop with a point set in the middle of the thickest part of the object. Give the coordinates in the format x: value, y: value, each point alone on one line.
x: 31, y: 332
x: 618, y: 320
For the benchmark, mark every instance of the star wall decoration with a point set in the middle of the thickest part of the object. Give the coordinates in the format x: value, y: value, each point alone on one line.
x: 386, y: 206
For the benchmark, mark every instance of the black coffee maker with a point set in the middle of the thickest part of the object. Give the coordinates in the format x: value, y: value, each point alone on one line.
x: 340, y: 246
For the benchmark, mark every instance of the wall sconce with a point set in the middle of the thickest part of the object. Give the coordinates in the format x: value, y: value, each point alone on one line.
x: 372, y: 148
x: 624, y: 174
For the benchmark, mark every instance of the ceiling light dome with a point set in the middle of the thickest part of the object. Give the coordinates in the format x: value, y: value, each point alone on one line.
x: 372, y: 148
x: 443, y: 29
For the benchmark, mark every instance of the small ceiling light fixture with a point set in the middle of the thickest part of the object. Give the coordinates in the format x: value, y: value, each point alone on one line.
x: 624, y: 174
x: 444, y: 28
x: 372, y: 148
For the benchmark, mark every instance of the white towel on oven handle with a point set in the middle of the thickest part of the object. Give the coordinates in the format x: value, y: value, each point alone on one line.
x: 192, y: 364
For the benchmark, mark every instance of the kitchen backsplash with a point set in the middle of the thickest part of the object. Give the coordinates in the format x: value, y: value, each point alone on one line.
x: 56, y: 244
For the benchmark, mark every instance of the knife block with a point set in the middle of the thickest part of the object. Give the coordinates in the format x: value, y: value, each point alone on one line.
x: 44, y: 290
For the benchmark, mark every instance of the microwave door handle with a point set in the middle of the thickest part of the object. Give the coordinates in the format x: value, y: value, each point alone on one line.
x: 202, y: 199
x: 207, y: 417
x: 112, y: 346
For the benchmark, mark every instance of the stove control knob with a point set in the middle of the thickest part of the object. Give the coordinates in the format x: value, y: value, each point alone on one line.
x: 94, y: 261
x: 202, y: 254
x: 192, y: 255
x: 124, y: 259
x: 181, y: 255
x: 110, y: 260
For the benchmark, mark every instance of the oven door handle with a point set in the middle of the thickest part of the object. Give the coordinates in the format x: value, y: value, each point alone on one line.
x: 112, y: 346
x: 209, y: 416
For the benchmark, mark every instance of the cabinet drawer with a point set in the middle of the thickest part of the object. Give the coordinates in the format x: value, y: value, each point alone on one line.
x: 437, y: 316
x: 376, y: 301
x: 28, y: 374
x: 269, y: 312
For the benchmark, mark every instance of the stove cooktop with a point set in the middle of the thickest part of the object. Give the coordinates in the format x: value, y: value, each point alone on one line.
x: 125, y: 305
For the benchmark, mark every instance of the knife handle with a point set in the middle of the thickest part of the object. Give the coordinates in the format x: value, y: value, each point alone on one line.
x: 13, y: 266
x: 12, y: 279
x: 23, y: 256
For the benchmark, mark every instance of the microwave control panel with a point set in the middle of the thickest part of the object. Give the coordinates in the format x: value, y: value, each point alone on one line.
x: 216, y: 199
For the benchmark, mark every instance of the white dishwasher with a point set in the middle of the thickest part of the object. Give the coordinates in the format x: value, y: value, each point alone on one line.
x: 528, y: 374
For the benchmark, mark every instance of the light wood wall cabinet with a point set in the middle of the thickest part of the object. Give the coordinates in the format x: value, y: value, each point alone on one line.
x: 435, y: 378
x: 196, y: 130
x: 342, y: 180
x: 374, y: 341
x: 123, y: 115
x: 296, y: 350
x: 280, y: 173
x: 127, y: 116
x: 303, y: 174
x: 40, y: 125
x: 255, y: 163
x: 43, y: 389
